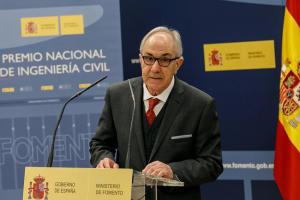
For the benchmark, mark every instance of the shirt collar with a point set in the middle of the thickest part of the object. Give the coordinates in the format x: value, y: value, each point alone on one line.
x: 162, y: 96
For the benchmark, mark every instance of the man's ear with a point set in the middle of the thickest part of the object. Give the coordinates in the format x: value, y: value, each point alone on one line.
x: 140, y: 58
x: 179, y: 62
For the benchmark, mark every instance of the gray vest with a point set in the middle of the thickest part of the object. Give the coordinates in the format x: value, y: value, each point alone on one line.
x: 150, y: 133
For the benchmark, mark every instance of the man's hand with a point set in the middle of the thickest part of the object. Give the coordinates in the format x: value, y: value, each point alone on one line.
x: 107, y: 163
x: 159, y: 169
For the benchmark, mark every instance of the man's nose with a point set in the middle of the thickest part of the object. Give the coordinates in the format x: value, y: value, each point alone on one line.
x: 155, y: 67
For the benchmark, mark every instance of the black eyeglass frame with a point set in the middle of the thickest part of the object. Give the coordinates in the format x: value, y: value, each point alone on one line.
x: 159, y: 60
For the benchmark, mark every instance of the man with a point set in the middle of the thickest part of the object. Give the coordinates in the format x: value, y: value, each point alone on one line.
x: 178, y: 138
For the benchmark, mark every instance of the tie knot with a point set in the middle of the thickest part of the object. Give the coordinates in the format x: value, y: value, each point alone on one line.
x: 153, y: 102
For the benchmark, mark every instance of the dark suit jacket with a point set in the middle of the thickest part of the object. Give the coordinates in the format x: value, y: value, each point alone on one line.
x: 188, y: 139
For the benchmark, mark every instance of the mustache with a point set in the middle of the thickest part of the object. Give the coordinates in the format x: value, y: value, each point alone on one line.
x: 154, y: 76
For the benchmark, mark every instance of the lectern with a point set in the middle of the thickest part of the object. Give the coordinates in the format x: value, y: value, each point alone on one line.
x: 140, y: 181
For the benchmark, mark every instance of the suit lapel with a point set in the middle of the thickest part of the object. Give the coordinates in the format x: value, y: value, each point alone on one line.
x: 174, y: 101
x: 137, y: 87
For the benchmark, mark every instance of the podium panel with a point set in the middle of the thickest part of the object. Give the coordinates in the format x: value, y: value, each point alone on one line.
x: 47, y: 183
x: 77, y: 183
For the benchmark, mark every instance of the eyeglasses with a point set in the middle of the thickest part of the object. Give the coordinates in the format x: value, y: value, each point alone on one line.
x: 162, y: 61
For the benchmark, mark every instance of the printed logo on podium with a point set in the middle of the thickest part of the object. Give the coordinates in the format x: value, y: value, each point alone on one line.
x: 38, y: 190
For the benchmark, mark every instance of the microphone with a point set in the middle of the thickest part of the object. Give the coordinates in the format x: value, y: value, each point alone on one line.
x: 128, y: 154
x: 51, y: 153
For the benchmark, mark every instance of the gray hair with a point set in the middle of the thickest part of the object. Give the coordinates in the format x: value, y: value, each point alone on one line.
x: 174, y: 33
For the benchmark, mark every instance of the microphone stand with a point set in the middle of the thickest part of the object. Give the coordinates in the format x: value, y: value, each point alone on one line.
x: 51, y: 154
x: 128, y: 153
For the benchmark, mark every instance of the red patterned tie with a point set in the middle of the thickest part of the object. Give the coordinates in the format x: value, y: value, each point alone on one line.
x: 150, y: 113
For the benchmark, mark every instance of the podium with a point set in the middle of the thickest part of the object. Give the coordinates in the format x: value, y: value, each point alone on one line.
x: 89, y: 183
x: 140, y: 181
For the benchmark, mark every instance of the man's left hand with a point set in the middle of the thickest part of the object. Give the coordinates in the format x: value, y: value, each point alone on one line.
x: 159, y: 169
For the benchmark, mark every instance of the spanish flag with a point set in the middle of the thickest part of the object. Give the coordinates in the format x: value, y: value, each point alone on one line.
x: 287, y: 149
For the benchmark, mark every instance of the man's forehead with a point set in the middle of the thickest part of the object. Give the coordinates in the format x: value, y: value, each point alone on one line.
x: 160, y: 44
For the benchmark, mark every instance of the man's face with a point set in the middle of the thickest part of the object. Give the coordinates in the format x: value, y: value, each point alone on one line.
x: 156, y: 77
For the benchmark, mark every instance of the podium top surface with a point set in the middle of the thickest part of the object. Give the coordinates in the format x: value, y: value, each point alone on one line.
x: 160, y: 181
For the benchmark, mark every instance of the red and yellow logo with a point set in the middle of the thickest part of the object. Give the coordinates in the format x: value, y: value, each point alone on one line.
x: 215, y: 58
x: 38, y: 190
x: 31, y: 28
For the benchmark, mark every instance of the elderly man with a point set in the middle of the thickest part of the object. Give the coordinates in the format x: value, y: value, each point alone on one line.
x: 174, y: 127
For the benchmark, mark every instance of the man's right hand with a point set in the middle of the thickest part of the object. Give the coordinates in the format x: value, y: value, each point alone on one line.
x: 107, y: 163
